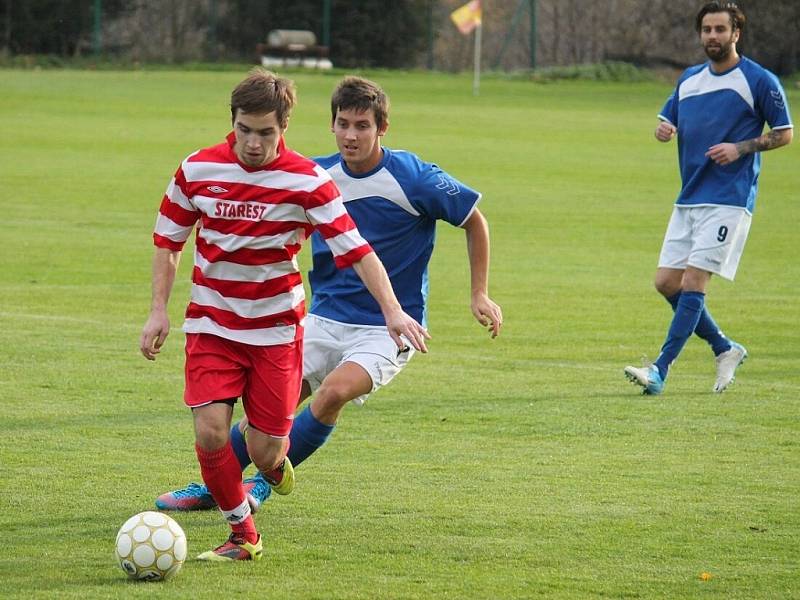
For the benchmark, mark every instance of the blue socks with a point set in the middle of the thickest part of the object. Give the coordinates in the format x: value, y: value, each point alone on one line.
x: 706, y: 329
x: 689, y: 307
x: 239, y: 446
x: 307, y: 435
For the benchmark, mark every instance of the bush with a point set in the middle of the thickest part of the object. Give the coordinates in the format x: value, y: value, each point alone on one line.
x: 604, y: 71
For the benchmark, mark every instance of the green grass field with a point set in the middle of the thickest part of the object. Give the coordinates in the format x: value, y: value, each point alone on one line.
x: 521, y: 467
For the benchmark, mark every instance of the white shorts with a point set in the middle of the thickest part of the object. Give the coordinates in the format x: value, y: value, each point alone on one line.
x: 328, y: 344
x: 710, y: 238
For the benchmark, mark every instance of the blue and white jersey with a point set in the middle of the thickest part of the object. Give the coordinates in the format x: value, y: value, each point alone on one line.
x: 395, y: 206
x: 710, y: 108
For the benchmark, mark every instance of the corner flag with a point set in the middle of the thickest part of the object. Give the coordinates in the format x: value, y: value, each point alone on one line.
x: 467, y: 17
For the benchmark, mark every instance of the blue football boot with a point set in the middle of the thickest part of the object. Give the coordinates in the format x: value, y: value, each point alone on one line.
x: 647, y: 377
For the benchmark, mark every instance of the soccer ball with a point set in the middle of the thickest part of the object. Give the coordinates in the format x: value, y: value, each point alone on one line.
x: 150, y: 546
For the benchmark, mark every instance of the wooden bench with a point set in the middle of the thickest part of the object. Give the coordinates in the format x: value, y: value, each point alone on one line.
x: 293, y: 48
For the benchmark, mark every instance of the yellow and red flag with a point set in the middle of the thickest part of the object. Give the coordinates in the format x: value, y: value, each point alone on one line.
x: 467, y: 17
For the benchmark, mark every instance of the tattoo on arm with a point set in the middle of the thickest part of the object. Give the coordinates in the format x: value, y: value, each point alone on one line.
x: 768, y: 141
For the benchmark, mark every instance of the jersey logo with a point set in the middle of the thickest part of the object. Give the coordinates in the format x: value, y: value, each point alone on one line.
x: 777, y: 98
x: 216, y: 189
x: 447, y: 184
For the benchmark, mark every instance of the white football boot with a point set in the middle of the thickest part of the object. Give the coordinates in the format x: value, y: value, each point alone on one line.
x: 727, y: 363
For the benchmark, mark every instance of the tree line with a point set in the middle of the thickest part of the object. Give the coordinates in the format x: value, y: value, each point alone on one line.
x: 396, y: 34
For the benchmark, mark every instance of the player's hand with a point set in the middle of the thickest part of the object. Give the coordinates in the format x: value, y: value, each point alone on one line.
x: 401, y: 324
x: 488, y: 313
x: 723, y: 154
x: 665, y: 131
x: 154, y: 334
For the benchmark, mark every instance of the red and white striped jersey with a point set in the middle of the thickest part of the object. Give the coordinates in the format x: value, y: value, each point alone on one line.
x: 251, y: 223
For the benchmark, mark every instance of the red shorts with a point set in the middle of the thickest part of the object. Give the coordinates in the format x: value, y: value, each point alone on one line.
x: 267, y: 378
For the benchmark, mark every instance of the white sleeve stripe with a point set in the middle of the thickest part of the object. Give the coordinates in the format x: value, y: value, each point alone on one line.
x: 327, y: 213
x: 471, y: 210
x: 345, y: 242
x: 166, y: 227
x: 666, y: 120
x: 176, y: 196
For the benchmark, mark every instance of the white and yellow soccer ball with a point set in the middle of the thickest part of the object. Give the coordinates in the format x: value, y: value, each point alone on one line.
x: 150, y: 546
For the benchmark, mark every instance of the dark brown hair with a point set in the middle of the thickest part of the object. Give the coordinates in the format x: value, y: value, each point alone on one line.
x: 357, y: 93
x: 264, y: 92
x: 734, y: 12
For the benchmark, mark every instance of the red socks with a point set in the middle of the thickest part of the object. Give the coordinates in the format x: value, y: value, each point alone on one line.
x: 222, y: 475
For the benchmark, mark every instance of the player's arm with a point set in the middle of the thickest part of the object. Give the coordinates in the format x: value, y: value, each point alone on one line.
x: 373, y: 274
x: 726, y: 153
x: 156, y: 329
x: 775, y: 138
x: 485, y: 310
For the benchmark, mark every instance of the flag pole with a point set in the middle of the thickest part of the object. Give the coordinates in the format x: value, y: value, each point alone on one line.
x: 476, y: 78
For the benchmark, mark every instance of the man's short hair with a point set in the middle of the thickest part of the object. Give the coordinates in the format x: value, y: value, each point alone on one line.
x: 263, y: 92
x: 361, y: 95
x: 734, y: 12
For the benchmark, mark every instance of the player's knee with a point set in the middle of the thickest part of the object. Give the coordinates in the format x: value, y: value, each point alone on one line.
x: 267, y: 460
x: 668, y: 282
x: 210, y: 436
x: 694, y: 281
x: 666, y: 287
x: 331, y: 398
x: 266, y: 452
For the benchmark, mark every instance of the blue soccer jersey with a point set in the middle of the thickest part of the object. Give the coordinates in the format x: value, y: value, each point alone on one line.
x: 710, y: 108
x: 395, y: 206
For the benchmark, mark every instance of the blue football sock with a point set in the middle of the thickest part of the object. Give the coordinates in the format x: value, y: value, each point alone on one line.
x: 684, y: 321
x: 707, y: 328
x: 307, y: 435
x: 239, y: 446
